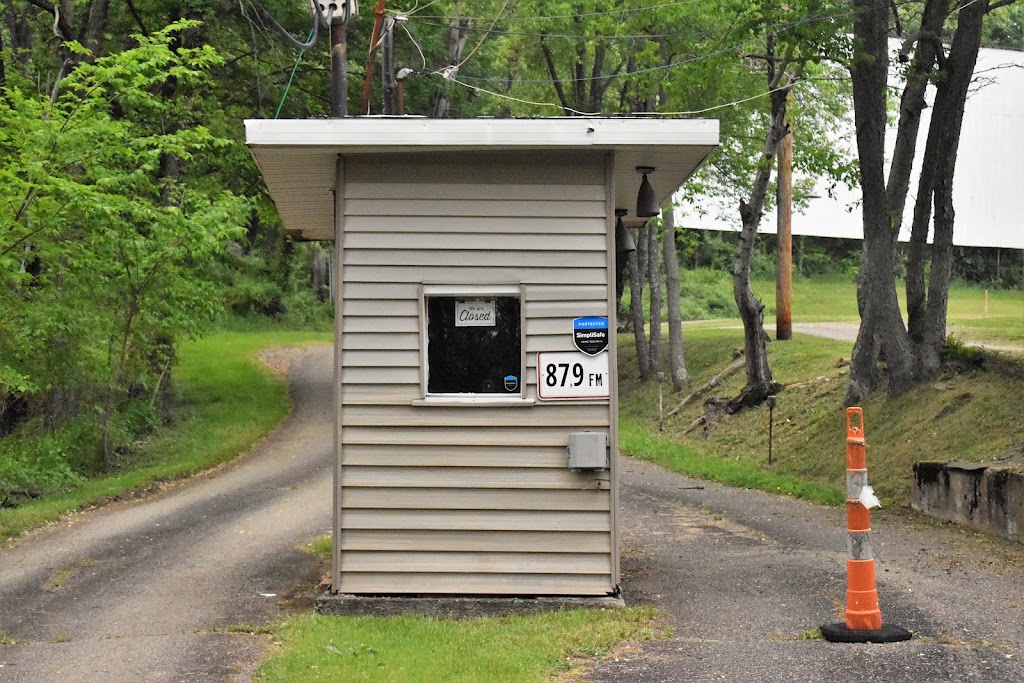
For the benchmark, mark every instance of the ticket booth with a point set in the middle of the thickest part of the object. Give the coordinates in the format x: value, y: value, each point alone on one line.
x: 475, y: 381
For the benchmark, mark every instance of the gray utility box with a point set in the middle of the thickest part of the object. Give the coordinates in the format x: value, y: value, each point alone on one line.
x: 588, y: 451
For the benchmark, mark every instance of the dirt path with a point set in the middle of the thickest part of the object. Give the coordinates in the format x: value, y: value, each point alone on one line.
x: 143, y: 592
x: 742, y: 575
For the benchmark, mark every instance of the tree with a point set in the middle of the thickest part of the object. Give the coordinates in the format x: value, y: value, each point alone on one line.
x: 100, y: 272
x: 912, y: 352
x: 791, y: 57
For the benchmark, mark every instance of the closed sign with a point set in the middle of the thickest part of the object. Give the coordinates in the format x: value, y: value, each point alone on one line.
x: 474, y: 313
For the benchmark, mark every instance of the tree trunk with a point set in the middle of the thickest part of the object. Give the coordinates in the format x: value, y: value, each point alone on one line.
x: 881, y: 334
x: 945, y: 127
x: 676, y: 362
x: 760, y: 383
x: 637, y: 273
x: 654, y: 276
x: 457, y: 36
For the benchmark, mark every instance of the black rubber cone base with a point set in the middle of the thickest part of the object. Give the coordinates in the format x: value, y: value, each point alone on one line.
x: 839, y: 633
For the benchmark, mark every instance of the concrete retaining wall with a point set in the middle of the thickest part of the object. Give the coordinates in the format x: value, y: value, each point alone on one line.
x: 986, y: 497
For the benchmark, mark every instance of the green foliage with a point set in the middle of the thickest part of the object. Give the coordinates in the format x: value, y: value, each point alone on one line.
x: 103, y: 254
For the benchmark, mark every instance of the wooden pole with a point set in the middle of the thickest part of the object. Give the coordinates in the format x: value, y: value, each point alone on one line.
x: 371, y: 63
x: 784, y: 243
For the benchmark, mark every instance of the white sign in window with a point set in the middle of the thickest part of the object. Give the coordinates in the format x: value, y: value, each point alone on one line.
x: 475, y: 313
x: 572, y: 375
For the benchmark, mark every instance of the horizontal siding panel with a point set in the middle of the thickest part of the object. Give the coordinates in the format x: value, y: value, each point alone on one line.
x: 526, y: 275
x: 567, y: 310
x: 496, y: 256
x: 378, y: 375
x: 471, y: 191
x: 491, y: 436
x: 467, y: 477
x: 461, y: 456
x: 472, y: 225
x: 367, y: 323
x: 568, y: 293
x: 489, y: 541
x: 430, y: 416
x: 381, y: 290
x: 424, y: 501
x: 477, y: 520
x: 388, y: 359
x: 396, y: 394
x: 424, y: 242
x: 381, y: 307
x: 393, y: 341
x: 382, y: 583
x: 475, y: 563
x: 485, y: 208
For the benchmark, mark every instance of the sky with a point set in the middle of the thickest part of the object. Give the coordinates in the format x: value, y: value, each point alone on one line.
x: 987, y: 189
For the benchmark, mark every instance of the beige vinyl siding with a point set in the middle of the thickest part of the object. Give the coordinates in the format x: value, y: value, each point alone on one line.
x: 468, y: 499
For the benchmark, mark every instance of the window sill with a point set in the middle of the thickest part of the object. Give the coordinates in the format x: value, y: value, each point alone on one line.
x: 475, y: 402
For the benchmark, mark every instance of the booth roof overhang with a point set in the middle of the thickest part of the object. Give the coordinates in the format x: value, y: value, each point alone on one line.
x: 298, y: 157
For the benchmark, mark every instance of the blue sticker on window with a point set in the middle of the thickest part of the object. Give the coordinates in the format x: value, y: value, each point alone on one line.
x: 511, y: 382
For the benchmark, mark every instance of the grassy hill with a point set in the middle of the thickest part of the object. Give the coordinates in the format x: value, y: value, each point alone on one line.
x: 968, y: 413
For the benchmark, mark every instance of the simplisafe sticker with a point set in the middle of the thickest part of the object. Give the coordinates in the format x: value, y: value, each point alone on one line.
x: 590, y: 335
x: 511, y: 382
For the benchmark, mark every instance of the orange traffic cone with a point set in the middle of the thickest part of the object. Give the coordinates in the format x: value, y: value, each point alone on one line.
x: 863, y: 616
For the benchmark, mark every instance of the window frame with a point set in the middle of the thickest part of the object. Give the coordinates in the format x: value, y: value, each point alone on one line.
x: 472, y: 290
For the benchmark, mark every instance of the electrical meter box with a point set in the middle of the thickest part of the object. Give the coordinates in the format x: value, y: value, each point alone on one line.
x: 588, y: 451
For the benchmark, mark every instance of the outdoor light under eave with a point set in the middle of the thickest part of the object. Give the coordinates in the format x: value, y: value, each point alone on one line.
x: 646, y: 201
x: 624, y: 242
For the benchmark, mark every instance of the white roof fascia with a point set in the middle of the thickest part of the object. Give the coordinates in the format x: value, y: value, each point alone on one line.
x: 410, y: 134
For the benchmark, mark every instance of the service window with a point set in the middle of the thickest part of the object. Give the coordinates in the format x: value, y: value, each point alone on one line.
x: 474, y: 342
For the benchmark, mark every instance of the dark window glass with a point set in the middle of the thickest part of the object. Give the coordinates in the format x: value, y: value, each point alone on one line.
x: 473, y: 358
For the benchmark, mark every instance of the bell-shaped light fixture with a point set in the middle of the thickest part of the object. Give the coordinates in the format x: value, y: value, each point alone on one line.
x: 646, y: 201
x: 624, y: 242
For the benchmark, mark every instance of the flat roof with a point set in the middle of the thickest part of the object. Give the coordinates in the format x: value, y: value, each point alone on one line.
x: 297, y: 157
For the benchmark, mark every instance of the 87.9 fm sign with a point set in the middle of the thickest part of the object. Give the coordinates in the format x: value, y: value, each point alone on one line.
x: 570, y: 375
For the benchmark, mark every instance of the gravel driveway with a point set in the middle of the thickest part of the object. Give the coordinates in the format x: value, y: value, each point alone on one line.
x: 155, y: 591
x: 144, y: 592
x: 743, y: 575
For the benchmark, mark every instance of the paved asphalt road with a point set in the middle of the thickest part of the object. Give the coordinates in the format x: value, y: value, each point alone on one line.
x: 143, y: 591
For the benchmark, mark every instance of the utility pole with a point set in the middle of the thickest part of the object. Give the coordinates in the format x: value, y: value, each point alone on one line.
x: 387, y: 69
x: 339, y: 62
x: 784, y: 239
x: 371, y: 63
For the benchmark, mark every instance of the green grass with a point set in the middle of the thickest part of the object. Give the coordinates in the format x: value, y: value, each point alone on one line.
x: 964, y: 414
x: 636, y: 440
x: 708, y: 295
x: 229, y: 401
x: 517, y: 649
